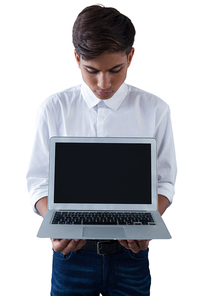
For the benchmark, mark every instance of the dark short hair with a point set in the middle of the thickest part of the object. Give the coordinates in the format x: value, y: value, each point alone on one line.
x: 100, y: 29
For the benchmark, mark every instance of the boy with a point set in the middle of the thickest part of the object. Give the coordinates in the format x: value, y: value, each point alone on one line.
x: 102, y: 106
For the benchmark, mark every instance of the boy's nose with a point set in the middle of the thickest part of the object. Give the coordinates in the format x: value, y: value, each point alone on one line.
x: 104, y: 81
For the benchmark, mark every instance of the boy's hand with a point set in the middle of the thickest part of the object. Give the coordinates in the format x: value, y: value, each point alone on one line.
x: 135, y: 245
x: 66, y: 246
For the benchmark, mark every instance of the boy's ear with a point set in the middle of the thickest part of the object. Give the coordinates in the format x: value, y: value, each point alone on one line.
x: 130, y: 56
x: 77, y: 57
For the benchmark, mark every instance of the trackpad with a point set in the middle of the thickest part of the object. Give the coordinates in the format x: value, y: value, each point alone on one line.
x: 103, y: 232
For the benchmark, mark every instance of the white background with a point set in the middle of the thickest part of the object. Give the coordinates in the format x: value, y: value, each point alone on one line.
x: 37, y: 60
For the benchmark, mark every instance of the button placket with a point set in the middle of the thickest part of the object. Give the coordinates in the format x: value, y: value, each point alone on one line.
x: 100, y: 121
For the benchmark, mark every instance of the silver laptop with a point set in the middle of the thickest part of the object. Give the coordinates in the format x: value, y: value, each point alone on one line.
x: 103, y: 188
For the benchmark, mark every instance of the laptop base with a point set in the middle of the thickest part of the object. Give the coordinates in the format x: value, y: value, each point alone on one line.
x: 113, y: 232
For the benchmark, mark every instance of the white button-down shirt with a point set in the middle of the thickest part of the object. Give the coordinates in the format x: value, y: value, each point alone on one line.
x: 131, y: 112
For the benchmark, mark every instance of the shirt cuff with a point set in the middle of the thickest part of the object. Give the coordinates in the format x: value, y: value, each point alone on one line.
x: 36, y: 197
x: 167, y: 190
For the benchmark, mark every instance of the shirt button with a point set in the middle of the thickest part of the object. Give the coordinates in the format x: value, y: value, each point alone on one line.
x: 102, y: 117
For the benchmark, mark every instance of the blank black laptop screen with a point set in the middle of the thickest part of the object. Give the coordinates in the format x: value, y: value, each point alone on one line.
x: 118, y: 173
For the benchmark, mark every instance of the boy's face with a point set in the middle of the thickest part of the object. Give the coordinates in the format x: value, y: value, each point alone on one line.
x: 106, y: 73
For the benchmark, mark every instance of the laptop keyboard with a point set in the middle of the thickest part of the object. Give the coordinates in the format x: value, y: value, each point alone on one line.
x: 103, y: 218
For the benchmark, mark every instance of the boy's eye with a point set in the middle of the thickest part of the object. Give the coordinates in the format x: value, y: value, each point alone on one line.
x: 115, y: 71
x: 92, y: 71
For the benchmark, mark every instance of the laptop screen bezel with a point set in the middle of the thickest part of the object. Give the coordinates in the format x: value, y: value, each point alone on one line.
x: 108, y: 207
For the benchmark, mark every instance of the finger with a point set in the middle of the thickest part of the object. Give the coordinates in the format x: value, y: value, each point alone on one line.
x: 143, y: 245
x: 133, y: 246
x: 124, y: 243
x: 60, y: 244
x: 72, y: 246
x: 80, y: 244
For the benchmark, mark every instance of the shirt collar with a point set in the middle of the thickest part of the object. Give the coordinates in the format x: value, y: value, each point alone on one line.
x: 114, y: 102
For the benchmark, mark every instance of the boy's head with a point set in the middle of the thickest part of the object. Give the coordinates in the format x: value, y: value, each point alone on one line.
x: 103, y: 40
x: 102, y: 29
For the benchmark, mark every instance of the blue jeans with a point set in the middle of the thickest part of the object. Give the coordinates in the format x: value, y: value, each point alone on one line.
x: 86, y: 273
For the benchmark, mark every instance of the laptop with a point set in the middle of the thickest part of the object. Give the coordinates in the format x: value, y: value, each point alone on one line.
x: 103, y: 188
